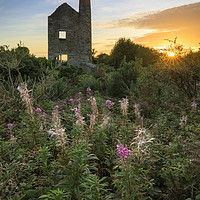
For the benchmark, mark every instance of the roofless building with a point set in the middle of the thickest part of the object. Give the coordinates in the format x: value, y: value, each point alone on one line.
x: 69, y: 34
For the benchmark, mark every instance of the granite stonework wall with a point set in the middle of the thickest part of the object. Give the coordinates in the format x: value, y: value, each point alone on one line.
x: 77, y: 25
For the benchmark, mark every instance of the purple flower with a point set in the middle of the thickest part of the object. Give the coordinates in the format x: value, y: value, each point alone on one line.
x: 89, y: 90
x: 108, y: 102
x: 10, y: 125
x: 122, y: 151
x: 77, y: 110
x: 92, y: 104
x: 71, y: 100
x: 79, y: 93
x: 56, y: 107
x: 38, y: 110
x: 43, y: 116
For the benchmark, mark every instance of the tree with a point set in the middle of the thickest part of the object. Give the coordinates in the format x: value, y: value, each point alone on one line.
x: 125, y: 47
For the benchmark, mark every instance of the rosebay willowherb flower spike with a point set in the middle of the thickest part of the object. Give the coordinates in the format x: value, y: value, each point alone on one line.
x: 124, y: 106
x: 105, y: 121
x: 80, y: 118
x: 194, y: 105
x: 142, y: 139
x: 26, y: 99
x: 92, y: 121
x: 122, y: 151
x: 183, y: 121
x: 137, y: 110
x: 109, y: 104
x: 57, y: 128
x: 94, y: 105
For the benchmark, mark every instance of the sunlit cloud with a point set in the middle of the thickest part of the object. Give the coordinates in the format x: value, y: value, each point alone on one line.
x: 152, y: 28
x: 170, y: 19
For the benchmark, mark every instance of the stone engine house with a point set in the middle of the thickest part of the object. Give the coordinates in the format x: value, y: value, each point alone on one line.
x: 69, y: 34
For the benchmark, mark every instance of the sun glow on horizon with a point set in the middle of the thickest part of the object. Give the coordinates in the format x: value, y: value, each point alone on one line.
x: 171, y: 54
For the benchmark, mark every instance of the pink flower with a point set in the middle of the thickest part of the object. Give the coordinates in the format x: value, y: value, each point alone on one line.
x: 89, y: 90
x: 108, y: 102
x: 71, y: 100
x: 77, y: 110
x: 56, y: 107
x: 38, y: 110
x: 43, y: 116
x: 122, y: 151
x: 10, y: 126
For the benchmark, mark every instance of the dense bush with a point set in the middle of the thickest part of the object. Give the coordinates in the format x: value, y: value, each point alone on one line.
x: 19, y: 61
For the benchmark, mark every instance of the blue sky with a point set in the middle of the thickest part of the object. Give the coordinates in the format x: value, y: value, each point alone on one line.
x: 26, y: 21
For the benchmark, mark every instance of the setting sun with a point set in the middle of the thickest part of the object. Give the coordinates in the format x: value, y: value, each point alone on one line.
x: 171, y: 54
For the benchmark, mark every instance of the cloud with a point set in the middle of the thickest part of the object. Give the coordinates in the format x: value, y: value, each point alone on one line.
x: 181, y: 22
x: 170, y: 19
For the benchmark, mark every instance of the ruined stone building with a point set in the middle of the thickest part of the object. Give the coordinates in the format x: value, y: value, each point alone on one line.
x: 69, y: 34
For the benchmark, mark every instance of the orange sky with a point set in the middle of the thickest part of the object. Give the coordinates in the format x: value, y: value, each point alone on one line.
x: 181, y: 22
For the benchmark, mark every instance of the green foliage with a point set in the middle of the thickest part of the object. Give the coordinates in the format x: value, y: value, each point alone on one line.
x: 70, y: 72
x: 116, y: 85
x: 103, y: 58
x: 125, y: 47
x: 162, y: 135
x: 55, y: 194
x: 91, y: 82
x: 18, y: 61
x: 95, y: 188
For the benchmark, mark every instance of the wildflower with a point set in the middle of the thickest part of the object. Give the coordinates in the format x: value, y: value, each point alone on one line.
x: 109, y: 103
x: 80, y: 118
x: 13, y: 138
x: 56, y: 107
x: 137, y: 110
x: 79, y: 93
x: 122, y: 151
x: 88, y: 90
x: 43, y: 115
x: 77, y: 111
x: 10, y: 126
x: 142, y: 139
x: 71, y: 100
x: 94, y: 105
x: 105, y: 121
x: 38, y: 110
x: 92, y: 121
x: 24, y: 94
x: 124, y: 106
x: 183, y: 121
x: 57, y: 128
x: 194, y: 105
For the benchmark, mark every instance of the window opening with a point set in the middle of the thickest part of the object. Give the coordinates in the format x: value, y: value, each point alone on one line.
x: 63, y: 58
x: 62, y: 35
